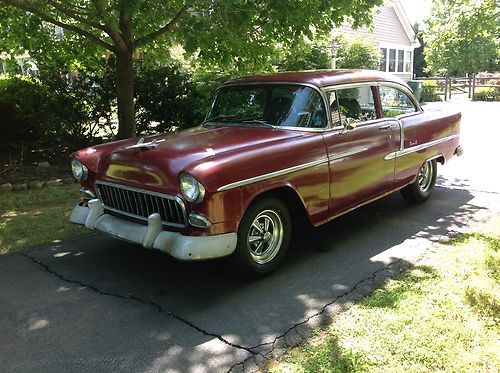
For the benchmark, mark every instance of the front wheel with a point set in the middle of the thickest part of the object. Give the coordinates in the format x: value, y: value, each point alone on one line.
x: 421, y: 189
x: 263, y: 237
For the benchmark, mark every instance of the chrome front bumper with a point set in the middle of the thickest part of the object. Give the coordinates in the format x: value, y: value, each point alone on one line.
x: 152, y: 236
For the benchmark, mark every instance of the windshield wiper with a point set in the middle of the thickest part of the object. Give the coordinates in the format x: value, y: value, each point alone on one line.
x: 257, y: 121
x: 218, y: 118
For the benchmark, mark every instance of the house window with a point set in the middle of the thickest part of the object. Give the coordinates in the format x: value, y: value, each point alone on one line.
x: 408, y: 61
x: 392, y: 60
x: 401, y: 61
x: 383, y: 59
x: 396, y: 60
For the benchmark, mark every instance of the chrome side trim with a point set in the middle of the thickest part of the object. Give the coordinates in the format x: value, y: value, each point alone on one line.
x: 270, y: 175
x: 417, y: 148
x: 347, y: 153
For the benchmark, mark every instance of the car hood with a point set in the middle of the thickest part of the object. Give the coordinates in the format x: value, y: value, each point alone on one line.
x: 158, y: 164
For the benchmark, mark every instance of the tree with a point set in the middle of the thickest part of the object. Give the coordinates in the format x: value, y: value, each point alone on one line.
x: 224, y: 31
x: 353, y: 52
x: 462, y: 36
x: 419, y: 64
x: 357, y: 52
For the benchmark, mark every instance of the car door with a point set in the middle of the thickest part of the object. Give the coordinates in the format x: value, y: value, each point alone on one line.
x: 357, y: 146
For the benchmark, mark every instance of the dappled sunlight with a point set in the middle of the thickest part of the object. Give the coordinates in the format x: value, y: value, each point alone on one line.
x: 37, y: 324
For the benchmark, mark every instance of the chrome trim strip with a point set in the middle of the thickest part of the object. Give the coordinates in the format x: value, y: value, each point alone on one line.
x: 417, y: 148
x: 179, y: 203
x: 263, y: 177
x: 347, y: 153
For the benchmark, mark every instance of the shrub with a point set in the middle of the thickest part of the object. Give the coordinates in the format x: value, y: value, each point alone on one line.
x: 26, y: 114
x: 429, y: 91
x: 487, y: 94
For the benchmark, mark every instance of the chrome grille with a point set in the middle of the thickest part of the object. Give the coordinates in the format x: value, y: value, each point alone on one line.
x: 138, y: 203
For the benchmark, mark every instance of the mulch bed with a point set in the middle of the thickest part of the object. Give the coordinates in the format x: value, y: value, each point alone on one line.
x: 26, y: 173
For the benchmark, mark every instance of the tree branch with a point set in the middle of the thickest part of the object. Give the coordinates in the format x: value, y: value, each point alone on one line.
x: 155, y: 34
x: 113, y: 34
x: 71, y: 13
x: 32, y: 8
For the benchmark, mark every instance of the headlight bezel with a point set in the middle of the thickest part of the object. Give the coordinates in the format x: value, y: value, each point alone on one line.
x: 79, y: 170
x: 192, y: 190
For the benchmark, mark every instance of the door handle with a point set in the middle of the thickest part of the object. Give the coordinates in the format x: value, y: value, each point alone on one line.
x: 385, y: 127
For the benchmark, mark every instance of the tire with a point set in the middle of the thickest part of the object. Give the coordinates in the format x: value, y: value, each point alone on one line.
x: 263, y: 238
x: 421, y: 189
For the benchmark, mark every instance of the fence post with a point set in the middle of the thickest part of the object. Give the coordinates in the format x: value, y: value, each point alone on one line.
x: 445, y: 88
x: 470, y: 86
x: 473, y: 86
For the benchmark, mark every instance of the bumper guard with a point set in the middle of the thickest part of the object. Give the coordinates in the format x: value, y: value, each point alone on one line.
x: 153, y: 236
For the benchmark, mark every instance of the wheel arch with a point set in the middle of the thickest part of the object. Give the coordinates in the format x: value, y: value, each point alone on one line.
x: 288, y: 195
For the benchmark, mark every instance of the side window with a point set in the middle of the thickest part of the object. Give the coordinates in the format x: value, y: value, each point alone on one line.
x: 352, y: 105
x: 297, y: 107
x: 395, y: 102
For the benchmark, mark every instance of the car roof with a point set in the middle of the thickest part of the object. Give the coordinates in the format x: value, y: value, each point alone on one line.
x: 321, y: 78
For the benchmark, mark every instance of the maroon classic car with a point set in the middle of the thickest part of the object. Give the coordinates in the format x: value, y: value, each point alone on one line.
x: 316, y: 143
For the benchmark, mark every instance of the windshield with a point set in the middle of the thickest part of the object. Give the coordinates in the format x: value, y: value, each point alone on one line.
x: 271, y: 105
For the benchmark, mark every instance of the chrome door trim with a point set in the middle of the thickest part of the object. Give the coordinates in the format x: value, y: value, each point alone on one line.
x: 417, y: 148
x: 270, y: 175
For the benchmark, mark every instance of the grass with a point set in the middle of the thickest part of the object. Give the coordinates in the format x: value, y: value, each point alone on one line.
x: 36, y: 216
x: 443, y: 315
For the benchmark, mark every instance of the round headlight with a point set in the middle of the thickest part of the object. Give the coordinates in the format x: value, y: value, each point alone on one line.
x: 191, y: 188
x: 80, y: 172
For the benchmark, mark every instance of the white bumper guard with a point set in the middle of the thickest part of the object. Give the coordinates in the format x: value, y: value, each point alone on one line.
x: 153, y: 236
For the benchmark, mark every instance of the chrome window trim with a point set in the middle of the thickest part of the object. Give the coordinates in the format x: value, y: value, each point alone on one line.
x: 417, y: 148
x: 125, y: 187
x: 314, y: 87
x: 270, y: 175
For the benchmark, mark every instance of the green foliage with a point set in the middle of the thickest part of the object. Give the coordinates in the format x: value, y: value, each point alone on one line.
x: 429, y: 91
x: 357, y: 52
x: 167, y: 97
x: 419, y: 64
x: 305, y: 55
x: 462, y: 37
x: 487, y: 94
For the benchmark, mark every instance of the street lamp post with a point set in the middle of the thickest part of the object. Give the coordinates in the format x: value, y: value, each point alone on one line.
x: 333, y: 49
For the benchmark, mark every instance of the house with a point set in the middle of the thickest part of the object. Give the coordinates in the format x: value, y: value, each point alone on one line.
x: 394, y: 35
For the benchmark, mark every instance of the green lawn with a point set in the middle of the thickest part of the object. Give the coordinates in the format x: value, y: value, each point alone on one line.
x: 36, y: 216
x: 441, y: 315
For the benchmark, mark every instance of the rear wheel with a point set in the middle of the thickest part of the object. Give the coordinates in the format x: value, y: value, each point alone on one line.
x: 263, y: 237
x: 421, y: 189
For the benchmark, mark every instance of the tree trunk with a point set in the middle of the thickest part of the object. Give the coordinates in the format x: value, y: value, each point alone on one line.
x: 125, y: 94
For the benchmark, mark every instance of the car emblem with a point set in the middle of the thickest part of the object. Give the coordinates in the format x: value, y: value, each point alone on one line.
x: 141, y: 145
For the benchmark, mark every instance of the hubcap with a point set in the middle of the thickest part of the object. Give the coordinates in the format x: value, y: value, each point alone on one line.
x: 265, y: 237
x: 425, y: 176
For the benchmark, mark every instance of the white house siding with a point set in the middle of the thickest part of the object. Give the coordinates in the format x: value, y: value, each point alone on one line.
x: 389, y: 33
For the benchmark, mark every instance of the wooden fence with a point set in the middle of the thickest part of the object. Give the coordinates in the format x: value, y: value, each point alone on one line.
x: 448, y: 86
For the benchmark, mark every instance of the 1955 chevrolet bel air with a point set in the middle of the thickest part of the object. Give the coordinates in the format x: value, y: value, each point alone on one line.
x: 317, y: 143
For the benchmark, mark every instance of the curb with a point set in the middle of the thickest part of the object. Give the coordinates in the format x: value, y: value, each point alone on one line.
x: 35, y: 184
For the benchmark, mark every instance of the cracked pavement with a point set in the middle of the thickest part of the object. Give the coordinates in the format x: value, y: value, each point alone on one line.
x: 93, y: 303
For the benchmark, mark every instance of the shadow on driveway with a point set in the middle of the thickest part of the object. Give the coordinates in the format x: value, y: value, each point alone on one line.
x: 109, y: 305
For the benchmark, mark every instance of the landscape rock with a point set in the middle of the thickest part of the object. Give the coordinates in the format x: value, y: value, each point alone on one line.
x: 36, y: 184
x: 54, y: 183
x: 6, y: 188
x: 18, y: 187
x: 43, y: 164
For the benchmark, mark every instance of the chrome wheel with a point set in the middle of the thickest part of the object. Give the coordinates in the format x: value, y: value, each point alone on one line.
x: 425, y: 176
x: 265, y: 237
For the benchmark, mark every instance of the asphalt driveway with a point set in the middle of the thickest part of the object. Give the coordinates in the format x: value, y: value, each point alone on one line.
x: 93, y: 303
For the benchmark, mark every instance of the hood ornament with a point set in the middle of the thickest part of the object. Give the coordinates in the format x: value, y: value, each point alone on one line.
x: 141, y: 145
